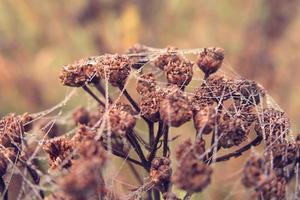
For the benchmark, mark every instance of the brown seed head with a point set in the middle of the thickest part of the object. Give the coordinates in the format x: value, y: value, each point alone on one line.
x: 206, y: 119
x: 149, y: 106
x: 160, y: 170
x: 138, y: 55
x: 165, y: 58
x: 115, y: 68
x: 210, y: 60
x: 146, y: 83
x: 175, y: 108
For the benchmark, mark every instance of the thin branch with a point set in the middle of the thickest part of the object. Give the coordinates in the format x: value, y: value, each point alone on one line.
x: 102, y: 91
x: 240, y: 151
x: 160, y: 132
x: 166, y: 140
x: 85, y: 88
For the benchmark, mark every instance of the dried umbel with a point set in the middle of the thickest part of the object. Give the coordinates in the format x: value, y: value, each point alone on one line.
x: 210, y: 60
x: 232, y: 133
x: 179, y: 71
x: 248, y: 92
x: 138, y: 55
x: 84, y: 133
x: 80, y: 72
x: 160, y: 170
x: 146, y: 84
x: 150, y: 105
x: 60, y: 151
x: 192, y: 175
x: 254, y: 171
x: 206, y: 120
x: 170, y: 55
x: 273, y: 123
x: 11, y: 130
x: 120, y: 120
x: 115, y: 68
x: 175, y: 108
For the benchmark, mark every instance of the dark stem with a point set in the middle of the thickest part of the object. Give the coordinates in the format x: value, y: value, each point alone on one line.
x: 135, y: 173
x: 133, y: 103
x: 240, y: 151
x: 165, y: 143
x: 156, y: 194
x: 187, y: 196
x: 134, y: 142
x: 151, y: 133
x: 122, y: 155
x: 100, y: 88
x: 85, y: 88
x: 160, y: 132
x: 36, y: 178
x: 3, y: 189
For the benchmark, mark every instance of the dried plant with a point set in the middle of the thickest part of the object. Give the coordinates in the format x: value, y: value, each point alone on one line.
x: 227, y: 112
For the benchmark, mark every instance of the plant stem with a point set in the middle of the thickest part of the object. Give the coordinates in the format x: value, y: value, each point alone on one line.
x: 133, y: 141
x: 85, y: 88
x: 165, y: 144
x: 36, y: 178
x: 240, y: 151
x: 100, y: 88
x: 3, y: 189
x: 156, y: 141
x: 151, y: 133
x: 156, y: 194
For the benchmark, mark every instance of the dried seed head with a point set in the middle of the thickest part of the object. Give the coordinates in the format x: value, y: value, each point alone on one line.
x: 80, y: 72
x: 274, y: 124
x: 164, y: 59
x: 92, y: 150
x: 149, y: 106
x: 26, y: 121
x: 201, y: 99
x: 282, y: 154
x: 192, y: 175
x: 219, y: 87
x: 175, y: 108
x: 188, y: 150
x: 139, y: 55
x: 81, y: 116
x: 241, y: 111
x: 179, y: 71
x: 115, y: 68
x: 160, y: 170
x: 120, y: 120
x: 254, y: 171
x: 272, y: 188
x: 146, y: 83
x: 210, y: 60
x: 232, y: 133
x: 59, y: 150
x: 11, y: 130
x: 83, y: 181
x: 248, y: 92
x: 96, y: 116
x: 84, y: 133
x: 206, y: 119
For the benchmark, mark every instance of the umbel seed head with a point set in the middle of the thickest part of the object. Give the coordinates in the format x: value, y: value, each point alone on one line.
x: 210, y: 60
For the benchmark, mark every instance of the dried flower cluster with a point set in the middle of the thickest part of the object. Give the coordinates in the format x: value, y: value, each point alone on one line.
x: 228, y: 114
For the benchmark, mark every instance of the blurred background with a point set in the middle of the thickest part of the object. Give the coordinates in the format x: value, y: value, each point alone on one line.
x: 261, y: 39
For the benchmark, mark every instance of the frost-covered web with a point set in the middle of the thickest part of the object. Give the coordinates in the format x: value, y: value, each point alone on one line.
x: 58, y: 115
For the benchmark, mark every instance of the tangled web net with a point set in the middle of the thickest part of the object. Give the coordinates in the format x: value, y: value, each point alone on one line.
x: 139, y: 100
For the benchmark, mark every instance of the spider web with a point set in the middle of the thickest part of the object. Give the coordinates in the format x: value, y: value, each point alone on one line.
x: 57, y: 115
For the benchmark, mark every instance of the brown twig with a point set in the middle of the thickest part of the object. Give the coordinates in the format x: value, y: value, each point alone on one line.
x: 85, y: 88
